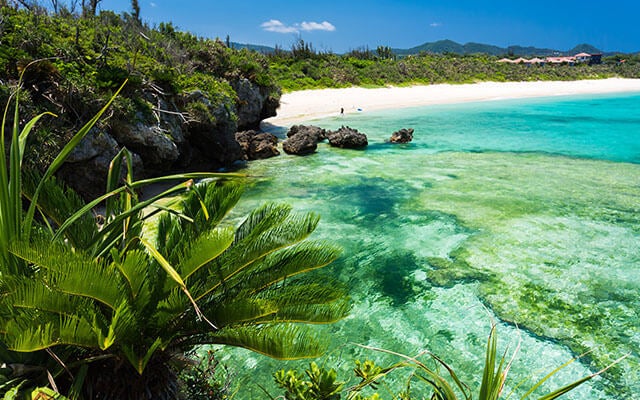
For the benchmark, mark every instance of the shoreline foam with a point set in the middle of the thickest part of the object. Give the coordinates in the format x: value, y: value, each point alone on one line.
x: 304, y: 105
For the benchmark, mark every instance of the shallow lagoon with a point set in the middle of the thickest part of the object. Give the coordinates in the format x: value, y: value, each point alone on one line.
x: 524, y: 212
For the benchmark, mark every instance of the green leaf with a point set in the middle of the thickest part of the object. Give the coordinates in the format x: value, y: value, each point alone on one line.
x: 205, y: 249
x: 280, y: 341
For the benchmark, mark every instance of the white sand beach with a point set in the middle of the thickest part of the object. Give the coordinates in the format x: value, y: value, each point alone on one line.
x: 304, y: 105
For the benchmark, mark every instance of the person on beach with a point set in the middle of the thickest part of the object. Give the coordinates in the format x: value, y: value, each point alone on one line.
x: 341, y: 111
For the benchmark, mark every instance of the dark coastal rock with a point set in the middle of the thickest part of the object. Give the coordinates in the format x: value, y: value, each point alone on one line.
x: 86, y: 168
x: 168, y: 131
x: 303, y: 139
x: 301, y: 144
x: 347, y: 138
x: 315, y: 131
x: 254, y: 104
x: 211, y: 132
x: 257, y: 146
x: 402, y: 136
x: 157, y: 149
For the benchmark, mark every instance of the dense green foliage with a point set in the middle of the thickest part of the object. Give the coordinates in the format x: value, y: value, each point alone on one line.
x: 107, y: 310
x: 309, y: 70
x: 88, y: 57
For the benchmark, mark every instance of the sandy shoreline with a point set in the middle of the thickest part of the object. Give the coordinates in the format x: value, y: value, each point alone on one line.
x: 304, y: 105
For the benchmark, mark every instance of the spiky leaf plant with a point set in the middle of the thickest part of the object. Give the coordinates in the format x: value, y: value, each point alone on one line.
x: 106, y: 312
x: 196, y: 282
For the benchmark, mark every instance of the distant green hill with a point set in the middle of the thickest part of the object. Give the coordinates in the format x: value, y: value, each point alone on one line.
x: 584, y: 48
x: 449, y: 46
x: 254, y: 47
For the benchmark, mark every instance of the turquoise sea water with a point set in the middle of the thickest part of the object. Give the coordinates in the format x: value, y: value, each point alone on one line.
x: 526, y: 213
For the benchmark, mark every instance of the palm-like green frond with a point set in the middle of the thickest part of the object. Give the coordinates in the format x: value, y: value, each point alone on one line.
x: 240, y: 311
x: 282, y: 264
x: 34, y: 294
x: 73, y: 273
x: 204, y: 249
x: 59, y: 203
x: 281, y: 341
x: 309, y: 302
x: 269, y: 228
x: 200, y: 211
x: 216, y: 197
x: 170, y: 311
x: 24, y: 336
x: 139, y: 359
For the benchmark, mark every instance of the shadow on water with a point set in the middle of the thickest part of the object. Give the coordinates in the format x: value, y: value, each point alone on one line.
x: 386, y: 146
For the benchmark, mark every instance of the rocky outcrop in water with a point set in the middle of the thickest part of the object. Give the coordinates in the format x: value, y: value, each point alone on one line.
x: 347, y: 138
x: 303, y: 139
x: 316, y: 132
x: 402, y: 136
x: 257, y: 145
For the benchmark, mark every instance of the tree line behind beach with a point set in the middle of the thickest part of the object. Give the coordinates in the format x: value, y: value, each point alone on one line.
x: 302, y: 67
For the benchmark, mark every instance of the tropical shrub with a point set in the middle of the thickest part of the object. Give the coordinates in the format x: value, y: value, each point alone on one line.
x: 107, y: 310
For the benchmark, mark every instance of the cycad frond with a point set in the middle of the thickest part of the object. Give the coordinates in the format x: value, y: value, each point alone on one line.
x: 267, y: 229
x: 170, y: 236
x: 281, y: 341
x: 274, y: 217
x: 308, y: 302
x: 240, y: 311
x: 282, y: 264
x: 59, y: 203
x: 204, y: 249
x: 204, y: 206
x: 174, y: 306
x: 73, y: 273
x: 123, y: 324
x: 24, y: 336
x: 34, y: 294
x: 135, y: 270
x: 217, y: 197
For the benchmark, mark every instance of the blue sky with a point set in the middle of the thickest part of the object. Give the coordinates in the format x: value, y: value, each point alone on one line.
x: 344, y: 25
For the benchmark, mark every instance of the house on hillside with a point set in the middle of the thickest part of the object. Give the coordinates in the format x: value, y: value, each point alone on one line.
x: 595, y: 59
x: 589, y: 58
x: 582, y: 57
x: 560, y: 60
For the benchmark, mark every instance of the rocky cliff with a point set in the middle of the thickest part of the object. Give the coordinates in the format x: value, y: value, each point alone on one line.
x: 183, y: 132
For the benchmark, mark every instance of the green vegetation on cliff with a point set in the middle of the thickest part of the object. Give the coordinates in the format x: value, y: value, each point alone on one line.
x: 183, y: 91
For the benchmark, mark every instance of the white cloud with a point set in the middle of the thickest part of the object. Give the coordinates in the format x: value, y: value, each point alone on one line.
x: 275, y: 25
x: 152, y: 4
x: 317, y: 26
x: 435, y: 24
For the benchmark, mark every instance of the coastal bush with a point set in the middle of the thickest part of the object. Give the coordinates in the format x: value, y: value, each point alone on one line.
x: 107, y: 310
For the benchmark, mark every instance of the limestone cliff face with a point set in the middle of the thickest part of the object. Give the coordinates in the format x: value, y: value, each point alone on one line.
x: 255, y: 103
x: 186, y: 131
